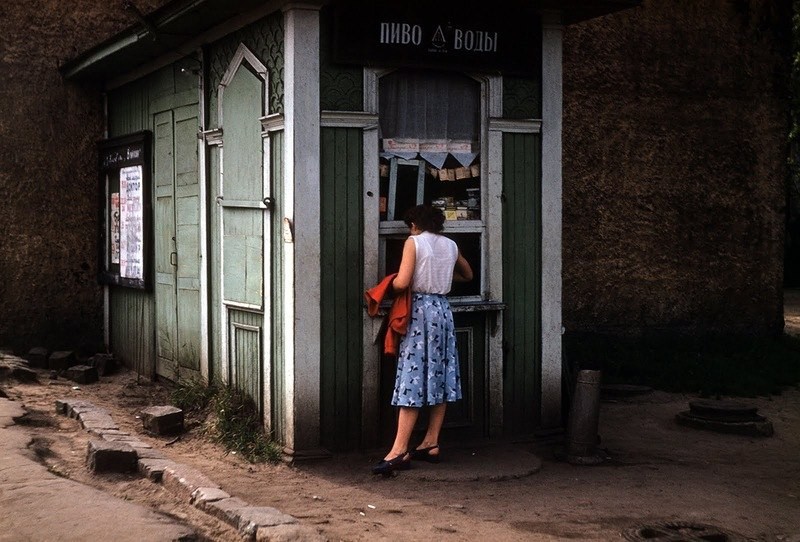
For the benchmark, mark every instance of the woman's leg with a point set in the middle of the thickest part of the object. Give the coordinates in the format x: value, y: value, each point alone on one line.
x: 405, y: 425
x: 434, y: 428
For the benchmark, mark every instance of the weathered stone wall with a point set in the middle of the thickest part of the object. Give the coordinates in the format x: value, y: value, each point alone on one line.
x: 49, y: 293
x: 675, y: 133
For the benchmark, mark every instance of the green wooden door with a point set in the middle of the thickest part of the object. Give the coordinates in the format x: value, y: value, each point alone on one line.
x: 177, y: 242
x: 244, y: 231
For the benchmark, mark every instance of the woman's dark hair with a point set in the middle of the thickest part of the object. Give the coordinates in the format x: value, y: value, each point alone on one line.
x: 426, y: 218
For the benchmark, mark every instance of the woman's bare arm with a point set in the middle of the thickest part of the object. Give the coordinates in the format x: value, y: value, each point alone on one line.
x: 406, y: 272
x: 462, y: 272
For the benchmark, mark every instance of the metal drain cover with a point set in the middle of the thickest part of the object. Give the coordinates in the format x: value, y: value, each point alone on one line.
x: 680, y: 531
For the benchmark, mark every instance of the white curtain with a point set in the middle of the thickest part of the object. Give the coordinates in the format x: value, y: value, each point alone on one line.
x: 440, y: 111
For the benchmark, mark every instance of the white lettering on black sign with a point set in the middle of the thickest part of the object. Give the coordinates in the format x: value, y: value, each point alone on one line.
x: 478, y: 41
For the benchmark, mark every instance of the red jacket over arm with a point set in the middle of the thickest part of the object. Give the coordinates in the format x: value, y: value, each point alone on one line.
x: 398, y: 316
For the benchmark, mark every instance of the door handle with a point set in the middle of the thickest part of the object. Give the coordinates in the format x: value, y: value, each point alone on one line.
x: 173, y: 258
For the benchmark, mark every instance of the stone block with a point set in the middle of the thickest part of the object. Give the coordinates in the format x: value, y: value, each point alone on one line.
x: 104, y: 363
x: 92, y: 420
x: 153, y: 468
x: 162, y: 420
x: 149, y: 453
x: 82, y: 374
x: 104, y: 456
x: 228, y: 510
x: 252, y: 518
x: 62, y: 405
x: 61, y: 360
x: 17, y: 368
x: 288, y: 533
x: 38, y: 357
x: 203, y: 495
x: 183, y: 480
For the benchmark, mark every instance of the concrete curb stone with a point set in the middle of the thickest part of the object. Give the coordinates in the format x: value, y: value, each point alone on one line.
x: 261, y: 523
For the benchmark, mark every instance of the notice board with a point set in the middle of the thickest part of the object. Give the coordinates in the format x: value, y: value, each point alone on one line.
x: 126, y: 224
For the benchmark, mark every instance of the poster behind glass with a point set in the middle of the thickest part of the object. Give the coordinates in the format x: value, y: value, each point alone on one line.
x: 126, y: 214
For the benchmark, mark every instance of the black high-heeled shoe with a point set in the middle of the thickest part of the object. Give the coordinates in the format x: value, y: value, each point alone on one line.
x: 424, y: 454
x: 386, y: 466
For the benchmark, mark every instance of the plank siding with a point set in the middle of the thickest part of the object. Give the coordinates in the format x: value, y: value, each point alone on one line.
x: 131, y: 109
x: 342, y: 288
x: 522, y: 281
x: 278, y: 414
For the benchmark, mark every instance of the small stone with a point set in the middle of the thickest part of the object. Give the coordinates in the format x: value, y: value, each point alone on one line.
x: 104, y: 456
x: 37, y: 357
x: 104, y: 363
x: 162, y: 420
x: 82, y: 374
x: 61, y: 360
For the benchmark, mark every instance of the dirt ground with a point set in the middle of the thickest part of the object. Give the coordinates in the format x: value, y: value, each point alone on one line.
x: 657, y: 472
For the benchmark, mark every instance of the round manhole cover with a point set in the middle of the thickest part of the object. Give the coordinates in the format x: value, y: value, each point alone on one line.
x: 721, y: 407
x: 680, y: 531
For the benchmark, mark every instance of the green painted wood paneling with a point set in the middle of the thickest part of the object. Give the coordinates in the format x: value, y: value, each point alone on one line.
x: 132, y: 312
x: 246, y: 343
x: 278, y: 368
x: 163, y: 324
x: 521, y: 281
x: 243, y: 229
x: 164, y: 234
x: 342, y: 286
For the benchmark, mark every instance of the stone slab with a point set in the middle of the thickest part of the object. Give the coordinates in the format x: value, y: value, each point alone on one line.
x: 61, y: 360
x: 96, y: 421
x: 288, y: 533
x: 153, y: 468
x: 227, y: 510
x: 104, y: 456
x: 82, y: 374
x: 251, y: 518
x: 38, y: 357
x: 203, y: 495
x: 183, y: 480
x: 162, y: 420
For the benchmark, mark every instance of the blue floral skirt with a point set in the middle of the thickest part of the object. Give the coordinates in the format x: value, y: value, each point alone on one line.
x: 427, y: 361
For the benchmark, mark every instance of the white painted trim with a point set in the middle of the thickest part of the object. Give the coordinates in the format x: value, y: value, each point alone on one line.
x: 203, y: 248
x: 349, y: 119
x: 272, y: 123
x: 519, y: 126
x: 371, y: 352
x: 492, y: 173
x: 242, y: 55
x: 302, y: 256
x: 266, y: 333
x: 224, y: 362
x: 212, y: 138
x: 552, y: 35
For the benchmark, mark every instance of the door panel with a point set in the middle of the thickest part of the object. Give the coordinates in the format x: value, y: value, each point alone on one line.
x: 165, y: 246
x: 244, y: 232
x: 177, y: 246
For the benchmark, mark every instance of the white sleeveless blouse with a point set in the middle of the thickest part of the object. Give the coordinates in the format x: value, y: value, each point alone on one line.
x: 436, y: 257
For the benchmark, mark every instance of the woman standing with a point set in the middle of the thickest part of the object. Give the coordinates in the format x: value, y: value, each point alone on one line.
x: 428, y: 372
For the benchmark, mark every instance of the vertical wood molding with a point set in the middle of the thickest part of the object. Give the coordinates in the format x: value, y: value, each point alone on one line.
x: 493, y: 173
x: 552, y: 34
x: 301, y: 195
